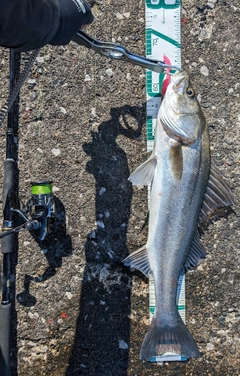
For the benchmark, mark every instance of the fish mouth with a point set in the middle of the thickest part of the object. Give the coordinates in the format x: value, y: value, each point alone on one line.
x: 179, y: 82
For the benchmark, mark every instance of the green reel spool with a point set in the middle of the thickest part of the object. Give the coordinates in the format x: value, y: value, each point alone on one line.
x: 41, y: 187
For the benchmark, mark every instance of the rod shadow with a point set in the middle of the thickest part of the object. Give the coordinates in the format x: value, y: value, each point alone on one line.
x: 103, y: 325
x: 55, y: 246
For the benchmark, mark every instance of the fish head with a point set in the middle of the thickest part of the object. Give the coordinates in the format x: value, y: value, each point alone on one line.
x: 180, y: 112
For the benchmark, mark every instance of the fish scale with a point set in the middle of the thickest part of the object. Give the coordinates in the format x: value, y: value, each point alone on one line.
x: 182, y: 182
x: 173, y: 226
x: 163, y: 37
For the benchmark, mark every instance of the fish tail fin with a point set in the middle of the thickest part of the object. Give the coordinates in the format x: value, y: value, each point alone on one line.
x: 163, y: 339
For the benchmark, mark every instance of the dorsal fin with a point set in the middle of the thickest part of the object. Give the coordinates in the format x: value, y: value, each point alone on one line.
x: 218, y: 194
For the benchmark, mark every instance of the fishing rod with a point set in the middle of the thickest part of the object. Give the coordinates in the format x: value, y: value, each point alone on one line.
x: 36, y: 216
x: 9, y: 200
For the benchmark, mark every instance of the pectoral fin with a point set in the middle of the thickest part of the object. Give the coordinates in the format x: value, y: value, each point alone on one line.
x: 144, y: 174
x: 176, y: 160
x: 218, y: 194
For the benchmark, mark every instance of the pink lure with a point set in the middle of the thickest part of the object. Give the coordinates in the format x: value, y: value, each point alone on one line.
x: 168, y: 77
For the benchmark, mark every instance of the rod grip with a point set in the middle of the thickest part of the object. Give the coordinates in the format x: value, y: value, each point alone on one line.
x: 8, y: 243
x: 5, y: 317
x: 8, y: 184
x: 9, y: 201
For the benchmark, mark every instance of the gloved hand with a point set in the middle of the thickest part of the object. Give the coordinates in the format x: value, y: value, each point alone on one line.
x: 74, y: 14
x: 30, y: 24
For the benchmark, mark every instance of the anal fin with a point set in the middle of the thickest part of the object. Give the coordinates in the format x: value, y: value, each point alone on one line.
x: 139, y: 261
x: 196, y: 254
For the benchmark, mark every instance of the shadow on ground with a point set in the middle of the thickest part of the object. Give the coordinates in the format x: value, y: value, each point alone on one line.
x: 55, y: 246
x: 102, y: 332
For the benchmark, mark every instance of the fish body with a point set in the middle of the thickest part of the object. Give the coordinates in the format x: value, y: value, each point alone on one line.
x: 179, y: 173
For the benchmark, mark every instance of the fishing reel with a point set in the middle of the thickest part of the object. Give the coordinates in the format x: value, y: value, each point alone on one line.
x: 38, y: 213
x: 41, y: 208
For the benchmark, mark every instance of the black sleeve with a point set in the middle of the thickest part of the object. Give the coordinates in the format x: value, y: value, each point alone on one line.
x: 30, y: 24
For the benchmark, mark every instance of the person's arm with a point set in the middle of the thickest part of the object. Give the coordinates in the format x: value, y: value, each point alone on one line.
x: 30, y: 24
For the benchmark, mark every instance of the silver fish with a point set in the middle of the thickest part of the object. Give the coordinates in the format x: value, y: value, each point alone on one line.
x: 184, y: 189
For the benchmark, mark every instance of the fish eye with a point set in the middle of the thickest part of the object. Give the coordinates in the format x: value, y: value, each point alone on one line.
x: 190, y: 92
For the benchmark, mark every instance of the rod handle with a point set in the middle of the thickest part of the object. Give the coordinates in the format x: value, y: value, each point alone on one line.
x: 5, y: 317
